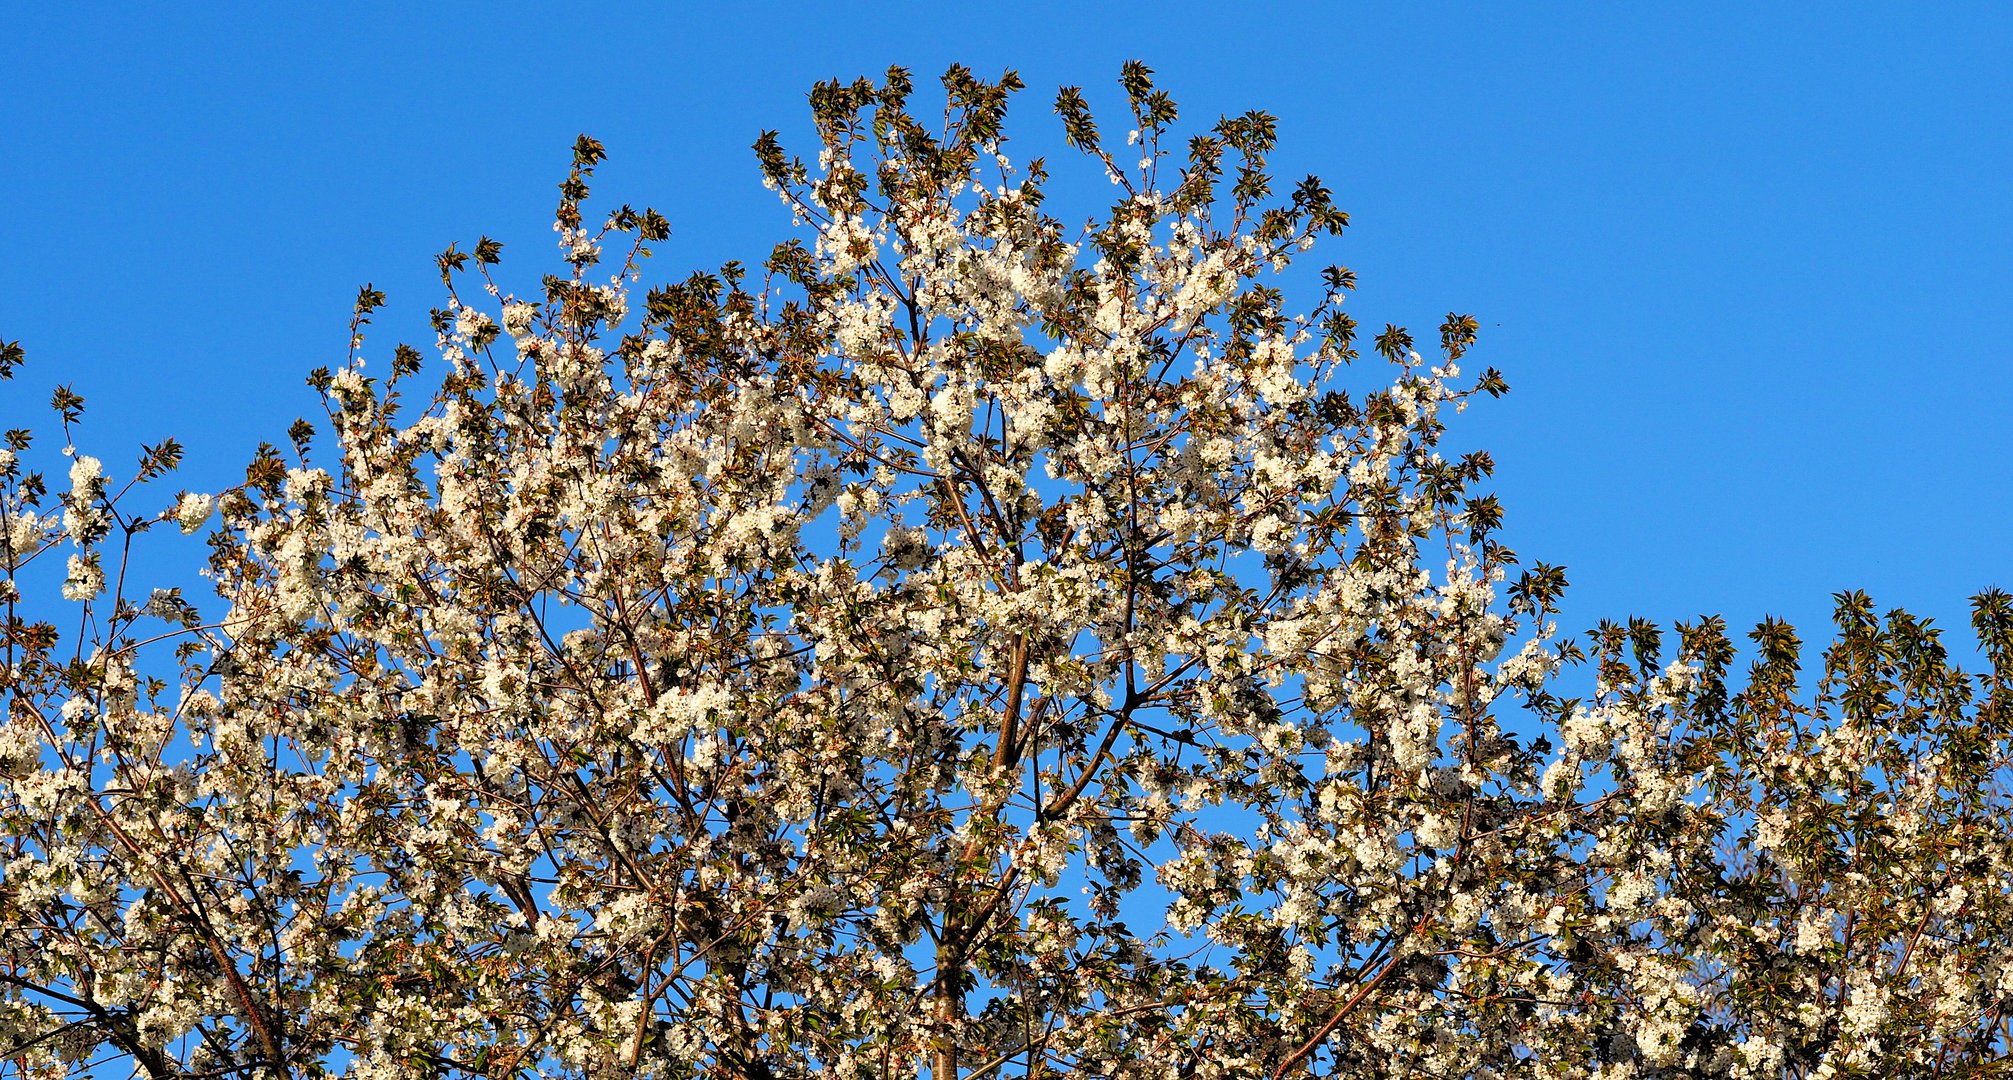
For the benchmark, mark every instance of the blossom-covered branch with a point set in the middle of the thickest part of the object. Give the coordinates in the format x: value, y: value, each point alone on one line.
x: 964, y: 642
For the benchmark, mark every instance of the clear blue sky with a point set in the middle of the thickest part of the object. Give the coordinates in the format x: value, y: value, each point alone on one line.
x: 1745, y: 265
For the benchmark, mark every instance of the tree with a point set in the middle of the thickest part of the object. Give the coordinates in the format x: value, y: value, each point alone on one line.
x: 968, y: 645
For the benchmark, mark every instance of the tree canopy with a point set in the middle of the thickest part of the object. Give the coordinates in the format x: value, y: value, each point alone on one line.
x: 965, y: 642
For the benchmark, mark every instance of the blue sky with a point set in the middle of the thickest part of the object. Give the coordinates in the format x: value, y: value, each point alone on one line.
x: 1744, y: 264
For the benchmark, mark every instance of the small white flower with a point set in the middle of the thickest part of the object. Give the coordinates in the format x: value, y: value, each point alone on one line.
x: 517, y: 317
x: 86, y: 473
x: 193, y: 510
x: 85, y: 579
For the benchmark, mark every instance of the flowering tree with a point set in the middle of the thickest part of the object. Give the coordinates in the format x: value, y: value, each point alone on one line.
x: 969, y: 645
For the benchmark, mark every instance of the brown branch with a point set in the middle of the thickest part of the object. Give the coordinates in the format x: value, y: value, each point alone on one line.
x: 1067, y: 798
x: 1320, y: 1036
x: 1007, y: 754
x: 255, y: 1014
